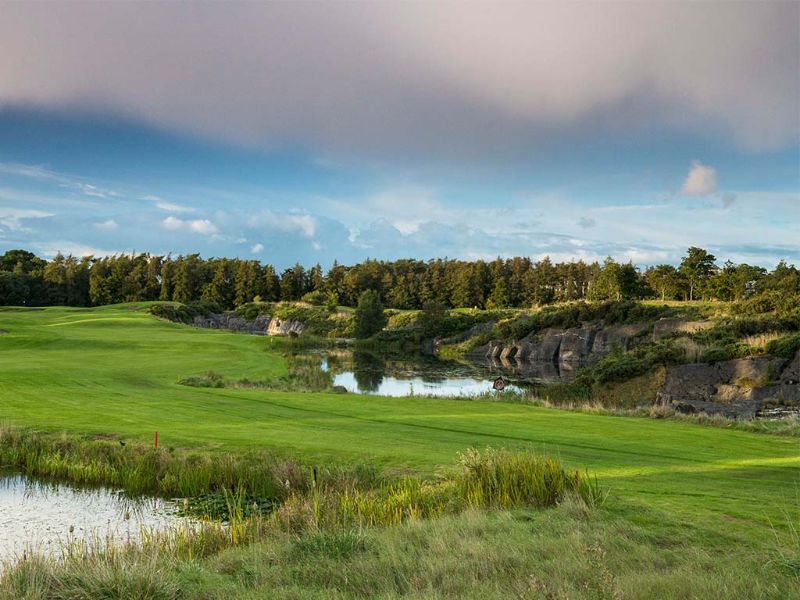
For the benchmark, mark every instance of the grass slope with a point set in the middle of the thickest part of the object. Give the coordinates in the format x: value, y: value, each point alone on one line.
x: 114, y: 370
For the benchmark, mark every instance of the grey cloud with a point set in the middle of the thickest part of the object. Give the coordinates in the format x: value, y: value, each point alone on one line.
x: 586, y: 222
x: 388, y: 76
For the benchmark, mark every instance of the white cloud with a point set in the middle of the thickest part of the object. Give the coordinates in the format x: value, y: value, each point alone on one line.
x: 166, y: 205
x: 287, y: 222
x: 66, y: 247
x: 257, y: 248
x: 32, y: 171
x: 11, y: 217
x: 65, y: 181
x: 110, y: 225
x: 94, y: 191
x: 201, y: 226
x: 176, y: 208
x: 701, y: 180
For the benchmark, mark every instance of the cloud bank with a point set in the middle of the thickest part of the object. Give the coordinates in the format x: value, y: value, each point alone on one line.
x: 450, y: 78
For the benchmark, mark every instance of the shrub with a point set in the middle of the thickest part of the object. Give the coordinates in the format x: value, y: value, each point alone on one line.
x: 317, y: 298
x: 768, y: 301
x: 718, y: 354
x: 618, y: 366
x: 183, y: 313
x: 211, y: 379
x: 785, y: 347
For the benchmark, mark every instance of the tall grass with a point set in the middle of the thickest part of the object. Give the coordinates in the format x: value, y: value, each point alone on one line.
x: 503, y: 479
x: 491, y: 479
x: 334, y: 504
x: 138, y: 469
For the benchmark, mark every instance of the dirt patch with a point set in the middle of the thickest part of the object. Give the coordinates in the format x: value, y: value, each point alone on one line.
x: 3, y: 331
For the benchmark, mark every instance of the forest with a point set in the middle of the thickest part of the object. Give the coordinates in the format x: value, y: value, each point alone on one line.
x: 28, y: 280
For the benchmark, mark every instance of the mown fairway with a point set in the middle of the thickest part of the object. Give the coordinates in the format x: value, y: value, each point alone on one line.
x: 114, y: 370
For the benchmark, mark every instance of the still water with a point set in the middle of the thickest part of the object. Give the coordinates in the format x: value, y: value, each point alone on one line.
x: 410, y: 375
x: 43, y: 517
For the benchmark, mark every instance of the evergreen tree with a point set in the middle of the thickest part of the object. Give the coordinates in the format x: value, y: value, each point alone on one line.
x: 369, y: 315
x: 167, y: 279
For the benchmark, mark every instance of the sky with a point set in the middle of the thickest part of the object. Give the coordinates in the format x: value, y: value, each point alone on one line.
x: 310, y: 132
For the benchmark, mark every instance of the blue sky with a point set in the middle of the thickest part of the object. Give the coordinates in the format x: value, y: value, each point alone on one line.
x: 317, y: 132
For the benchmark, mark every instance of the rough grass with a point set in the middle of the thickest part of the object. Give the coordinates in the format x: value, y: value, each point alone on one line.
x: 565, y: 552
x: 139, y: 469
x: 325, y: 517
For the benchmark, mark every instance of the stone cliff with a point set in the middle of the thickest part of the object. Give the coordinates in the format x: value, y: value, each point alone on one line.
x: 261, y: 325
x: 742, y: 388
x: 565, y: 348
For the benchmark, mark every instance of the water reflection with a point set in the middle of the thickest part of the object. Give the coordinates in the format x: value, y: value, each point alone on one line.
x: 365, y: 372
x: 36, y: 515
x: 368, y: 372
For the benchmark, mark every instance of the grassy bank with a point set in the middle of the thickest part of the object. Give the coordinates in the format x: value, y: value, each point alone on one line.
x: 563, y: 552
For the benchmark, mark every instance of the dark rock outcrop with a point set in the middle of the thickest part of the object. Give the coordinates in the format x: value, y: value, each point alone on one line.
x: 576, y: 345
x: 621, y: 336
x: 566, y: 348
x: 741, y: 388
x: 261, y: 325
x: 670, y: 326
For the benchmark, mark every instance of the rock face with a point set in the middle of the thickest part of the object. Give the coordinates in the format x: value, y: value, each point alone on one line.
x: 671, y: 326
x: 742, y: 388
x: 619, y: 335
x: 287, y: 327
x: 261, y: 325
x: 557, y: 353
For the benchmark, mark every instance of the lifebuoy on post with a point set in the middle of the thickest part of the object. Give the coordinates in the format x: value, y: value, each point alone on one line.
x: 499, y: 384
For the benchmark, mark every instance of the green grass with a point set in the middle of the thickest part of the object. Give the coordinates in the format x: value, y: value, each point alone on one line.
x: 114, y: 371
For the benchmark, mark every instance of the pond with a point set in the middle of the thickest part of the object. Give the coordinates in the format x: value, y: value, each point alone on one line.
x: 406, y: 375
x: 44, y: 517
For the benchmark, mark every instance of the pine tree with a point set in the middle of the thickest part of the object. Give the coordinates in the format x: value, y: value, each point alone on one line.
x: 369, y: 315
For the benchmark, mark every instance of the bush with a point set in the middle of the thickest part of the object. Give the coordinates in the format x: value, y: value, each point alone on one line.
x: 768, y: 301
x: 317, y: 298
x: 253, y: 310
x: 785, y: 347
x: 211, y: 379
x: 718, y: 354
x: 664, y: 352
x: 618, y: 366
x: 184, y: 313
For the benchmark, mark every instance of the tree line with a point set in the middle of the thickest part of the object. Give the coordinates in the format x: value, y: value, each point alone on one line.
x: 28, y: 280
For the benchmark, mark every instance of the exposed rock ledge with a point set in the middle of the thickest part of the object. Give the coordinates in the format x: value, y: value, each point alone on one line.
x: 261, y: 325
x: 742, y: 388
x: 566, y: 348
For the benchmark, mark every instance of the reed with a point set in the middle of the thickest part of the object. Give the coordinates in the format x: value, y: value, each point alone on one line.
x: 492, y: 479
x: 141, y: 470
